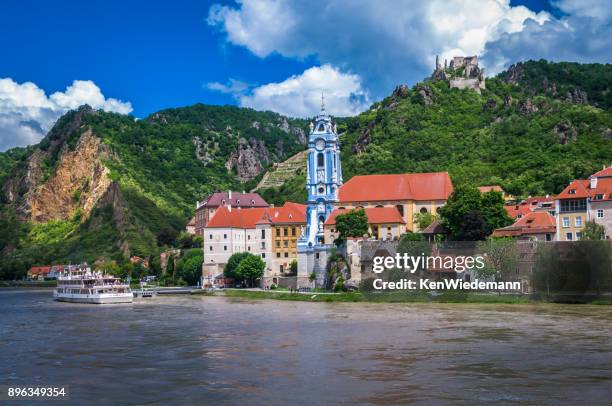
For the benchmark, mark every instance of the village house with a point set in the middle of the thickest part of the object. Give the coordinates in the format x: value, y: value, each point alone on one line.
x: 38, y: 272
x: 270, y: 232
x: 409, y: 193
x: 206, y: 208
x: 535, y: 203
x: 584, y: 200
x: 190, y: 228
x: 535, y: 225
x: 496, y: 188
x: 384, y: 223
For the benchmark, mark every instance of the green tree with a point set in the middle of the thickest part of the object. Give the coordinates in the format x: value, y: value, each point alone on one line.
x: 472, y: 216
x: 501, y: 258
x: 293, y: 267
x: 250, y: 268
x: 351, y: 224
x: 460, y: 215
x: 232, y: 263
x: 189, y: 268
x: 424, y: 220
x: 493, y: 211
x: 593, y: 231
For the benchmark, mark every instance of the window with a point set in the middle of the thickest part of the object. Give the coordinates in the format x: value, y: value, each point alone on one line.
x: 278, y: 232
x: 400, y: 208
x: 423, y: 210
x: 599, y: 197
x: 263, y: 255
x: 286, y: 232
x: 548, y: 237
x: 248, y: 237
x: 578, y: 221
x: 578, y: 235
x: 210, y: 248
x: 600, y: 213
x: 320, y: 160
x: 263, y: 234
x: 277, y: 244
x: 286, y: 255
x: 278, y: 255
x: 321, y: 127
x: 210, y: 236
x: 293, y: 231
x: 238, y: 202
x: 571, y: 205
x: 565, y: 222
x: 224, y: 235
x: 569, y: 236
x: 248, y: 248
x: 225, y: 248
x: 286, y: 243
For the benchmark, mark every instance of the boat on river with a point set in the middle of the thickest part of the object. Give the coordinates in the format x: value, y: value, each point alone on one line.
x: 80, y: 284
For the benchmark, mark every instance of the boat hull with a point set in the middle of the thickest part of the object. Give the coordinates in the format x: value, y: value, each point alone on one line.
x: 95, y: 299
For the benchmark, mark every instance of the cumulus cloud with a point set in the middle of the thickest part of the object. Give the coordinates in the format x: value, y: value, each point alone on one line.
x: 27, y: 113
x: 385, y: 42
x: 300, y: 95
x: 584, y: 34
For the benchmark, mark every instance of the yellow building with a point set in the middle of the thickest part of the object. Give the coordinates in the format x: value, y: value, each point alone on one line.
x: 409, y: 193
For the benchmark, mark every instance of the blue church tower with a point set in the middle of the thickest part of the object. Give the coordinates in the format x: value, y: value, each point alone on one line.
x: 323, y: 179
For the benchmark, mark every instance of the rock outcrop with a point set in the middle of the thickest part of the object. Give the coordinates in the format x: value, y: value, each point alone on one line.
x: 248, y: 159
x: 565, y: 132
x: 56, y: 180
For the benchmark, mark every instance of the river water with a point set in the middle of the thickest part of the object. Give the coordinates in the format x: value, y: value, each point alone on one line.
x: 215, y: 350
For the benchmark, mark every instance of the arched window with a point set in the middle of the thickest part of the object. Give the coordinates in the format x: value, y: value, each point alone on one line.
x: 321, y: 127
x: 423, y: 210
x: 320, y: 160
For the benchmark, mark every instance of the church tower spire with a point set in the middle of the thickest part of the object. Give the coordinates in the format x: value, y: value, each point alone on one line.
x: 323, y: 179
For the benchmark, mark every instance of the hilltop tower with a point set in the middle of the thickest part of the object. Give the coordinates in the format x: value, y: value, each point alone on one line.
x: 323, y: 179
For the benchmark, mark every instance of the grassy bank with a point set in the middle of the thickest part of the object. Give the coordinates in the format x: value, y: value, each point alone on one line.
x: 28, y: 284
x: 383, y: 297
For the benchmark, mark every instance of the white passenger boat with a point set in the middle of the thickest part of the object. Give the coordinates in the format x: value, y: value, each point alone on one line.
x: 81, y: 285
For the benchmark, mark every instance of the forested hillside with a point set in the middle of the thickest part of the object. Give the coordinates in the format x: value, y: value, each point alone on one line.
x: 107, y: 186
x: 104, y: 185
x: 518, y: 133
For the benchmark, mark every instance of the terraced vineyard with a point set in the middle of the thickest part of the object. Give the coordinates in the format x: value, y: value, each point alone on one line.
x: 283, y: 171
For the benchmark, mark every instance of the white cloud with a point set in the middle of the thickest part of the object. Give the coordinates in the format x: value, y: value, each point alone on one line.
x: 385, y: 42
x: 300, y: 95
x: 27, y: 113
x: 584, y: 34
x: 234, y: 87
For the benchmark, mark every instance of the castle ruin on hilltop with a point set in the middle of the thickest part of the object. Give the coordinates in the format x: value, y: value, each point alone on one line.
x: 462, y: 73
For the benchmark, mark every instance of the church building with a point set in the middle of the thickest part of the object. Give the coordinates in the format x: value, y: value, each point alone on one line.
x: 323, y: 179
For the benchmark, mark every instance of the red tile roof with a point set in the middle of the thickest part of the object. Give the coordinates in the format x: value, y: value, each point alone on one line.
x: 376, y: 215
x: 604, y: 173
x: 289, y: 213
x: 528, y: 205
x: 37, y: 270
x: 577, y: 189
x: 604, y: 188
x: 250, y: 217
x: 535, y: 222
x: 407, y: 186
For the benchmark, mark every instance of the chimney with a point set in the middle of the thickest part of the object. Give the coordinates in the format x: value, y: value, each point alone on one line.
x: 229, y: 207
x: 230, y: 195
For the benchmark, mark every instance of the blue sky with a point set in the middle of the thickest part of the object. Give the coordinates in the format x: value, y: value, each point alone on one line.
x: 141, y: 56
